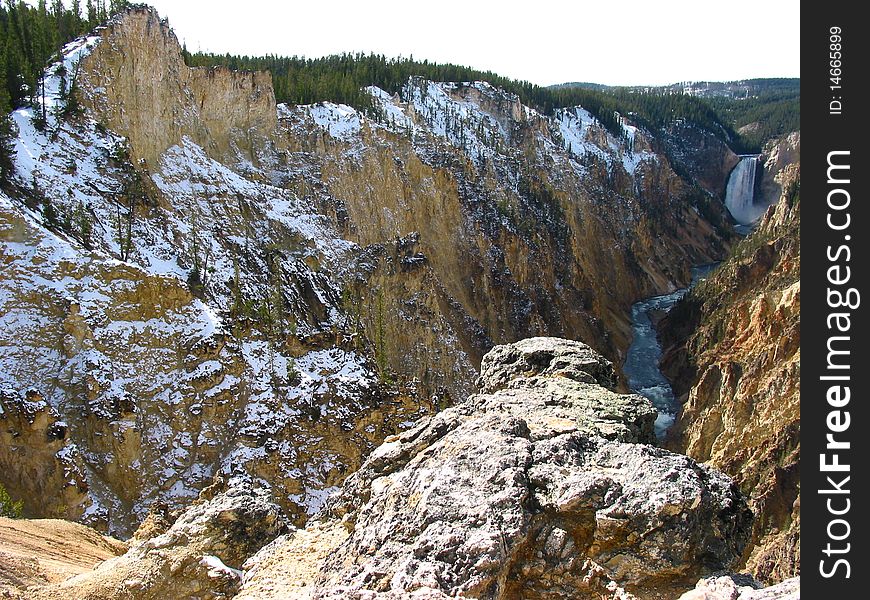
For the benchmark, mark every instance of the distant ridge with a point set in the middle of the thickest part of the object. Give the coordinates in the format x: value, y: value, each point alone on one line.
x: 581, y: 84
x: 738, y: 89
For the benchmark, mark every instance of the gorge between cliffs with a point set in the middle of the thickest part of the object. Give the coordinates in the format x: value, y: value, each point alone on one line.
x: 261, y: 349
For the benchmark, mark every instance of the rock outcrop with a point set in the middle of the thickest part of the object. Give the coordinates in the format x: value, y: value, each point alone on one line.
x: 136, y: 82
x: 732, y: 351
x: 782, y: 157
x: 199, y: 556
x: 542, y: 487
x: 742, y: 587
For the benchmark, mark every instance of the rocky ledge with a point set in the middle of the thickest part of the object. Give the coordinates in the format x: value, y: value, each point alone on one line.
x: 199, y: 555
x: 743, y: 587
x: 542, y: 486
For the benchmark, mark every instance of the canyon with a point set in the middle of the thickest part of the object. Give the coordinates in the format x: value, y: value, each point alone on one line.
x: 257, y: 340
x: 732, y: 350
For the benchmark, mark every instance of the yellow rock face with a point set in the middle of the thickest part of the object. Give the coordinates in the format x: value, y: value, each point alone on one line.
x: 737, y: 372
x: 234, y: 287
x: 146, y: 91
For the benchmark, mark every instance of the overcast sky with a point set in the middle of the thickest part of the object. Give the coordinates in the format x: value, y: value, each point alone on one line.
x: 616, y: 42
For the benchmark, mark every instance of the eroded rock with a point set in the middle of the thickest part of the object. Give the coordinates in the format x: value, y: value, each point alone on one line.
x: 536, y: 490
x: 742, y: 587
x: 38, y: 463
x: 199, y: 556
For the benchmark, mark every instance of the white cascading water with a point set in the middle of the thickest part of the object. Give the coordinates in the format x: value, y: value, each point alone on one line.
x: 740, y: 193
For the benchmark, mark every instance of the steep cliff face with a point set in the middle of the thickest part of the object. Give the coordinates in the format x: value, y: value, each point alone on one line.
x: 135, y: 82
x: 781, y: 162
x: 159, y: 394
x: 733, y: 355
x: 701, y: 155
x: 201, y: 284
x: 529, y: 225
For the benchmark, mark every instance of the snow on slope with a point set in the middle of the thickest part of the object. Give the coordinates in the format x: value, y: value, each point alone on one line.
x: 127, y: 342
x: 574, y: 127
x: 229, y: 216
x: 71, y: 328
x: 340, y: 120
x: 122, y: 347
x: 577, y: 128
x: 464, y: 124
x: 479, y: 120
x: 94, y: 333
x: 61, y: 74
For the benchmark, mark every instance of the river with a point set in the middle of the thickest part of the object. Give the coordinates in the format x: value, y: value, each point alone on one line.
x: 642, y: 363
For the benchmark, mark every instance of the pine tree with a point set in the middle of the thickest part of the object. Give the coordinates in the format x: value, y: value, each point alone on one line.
x: 381, y: 358
x: 50, y: 214
x: 5, y: 98
x: 16, y: 64
x: 116, y: 6
x: 7, y: 166
x: 91, y: 10
x: 83, y: 222
x: 75, y: 13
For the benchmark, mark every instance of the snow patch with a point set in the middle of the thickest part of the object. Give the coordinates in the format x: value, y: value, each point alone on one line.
x: 341, y: 121
x: 217, y: 569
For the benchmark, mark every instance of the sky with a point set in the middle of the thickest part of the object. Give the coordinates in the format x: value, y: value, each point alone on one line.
x: 615, y: 42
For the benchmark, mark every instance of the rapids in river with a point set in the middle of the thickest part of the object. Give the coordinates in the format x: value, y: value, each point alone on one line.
x: 642, y: 362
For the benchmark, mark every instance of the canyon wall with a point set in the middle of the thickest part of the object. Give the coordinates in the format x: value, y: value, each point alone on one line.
x: 203, y: 285
x: 732, y: 351
x: 136, y: 82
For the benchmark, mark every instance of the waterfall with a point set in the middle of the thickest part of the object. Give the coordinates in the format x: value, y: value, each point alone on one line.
x: 740, y: 193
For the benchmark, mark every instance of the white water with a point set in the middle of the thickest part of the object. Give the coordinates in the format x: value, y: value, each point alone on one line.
x: 642, y: 361
x: 740, y: 193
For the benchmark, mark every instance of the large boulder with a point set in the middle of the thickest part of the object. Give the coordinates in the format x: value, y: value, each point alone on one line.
x: 541, y: 488
x: 546, y: 356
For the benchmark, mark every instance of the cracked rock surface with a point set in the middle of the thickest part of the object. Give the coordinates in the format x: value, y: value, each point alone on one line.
x: 542, y: 487
x: 198, y: 556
